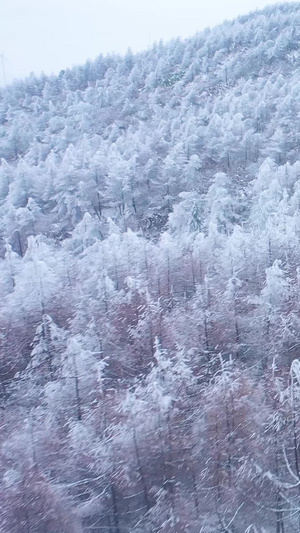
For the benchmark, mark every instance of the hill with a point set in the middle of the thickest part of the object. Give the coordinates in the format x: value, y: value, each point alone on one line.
x: 150, y: 288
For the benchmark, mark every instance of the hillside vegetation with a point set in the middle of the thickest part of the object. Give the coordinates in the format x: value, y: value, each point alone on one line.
x: 150, y: 288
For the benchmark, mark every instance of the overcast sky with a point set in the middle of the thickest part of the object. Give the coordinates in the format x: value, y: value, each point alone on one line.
x: 49, y: 35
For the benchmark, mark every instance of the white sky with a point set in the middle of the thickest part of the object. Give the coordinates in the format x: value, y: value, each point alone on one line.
x: 49, y: 35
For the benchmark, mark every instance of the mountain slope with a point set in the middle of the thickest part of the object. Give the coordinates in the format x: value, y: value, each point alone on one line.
x: 149, y: 282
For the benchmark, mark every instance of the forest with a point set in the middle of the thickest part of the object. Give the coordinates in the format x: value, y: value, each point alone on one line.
x: 150, y: 288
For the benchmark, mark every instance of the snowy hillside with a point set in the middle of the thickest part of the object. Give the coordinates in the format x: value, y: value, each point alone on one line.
x: 150, y: 288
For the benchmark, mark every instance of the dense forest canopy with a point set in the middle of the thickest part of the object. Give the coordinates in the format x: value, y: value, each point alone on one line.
x: 150, y: 288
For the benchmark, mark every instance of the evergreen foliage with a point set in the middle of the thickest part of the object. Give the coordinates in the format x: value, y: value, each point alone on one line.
x: 150, y: 288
